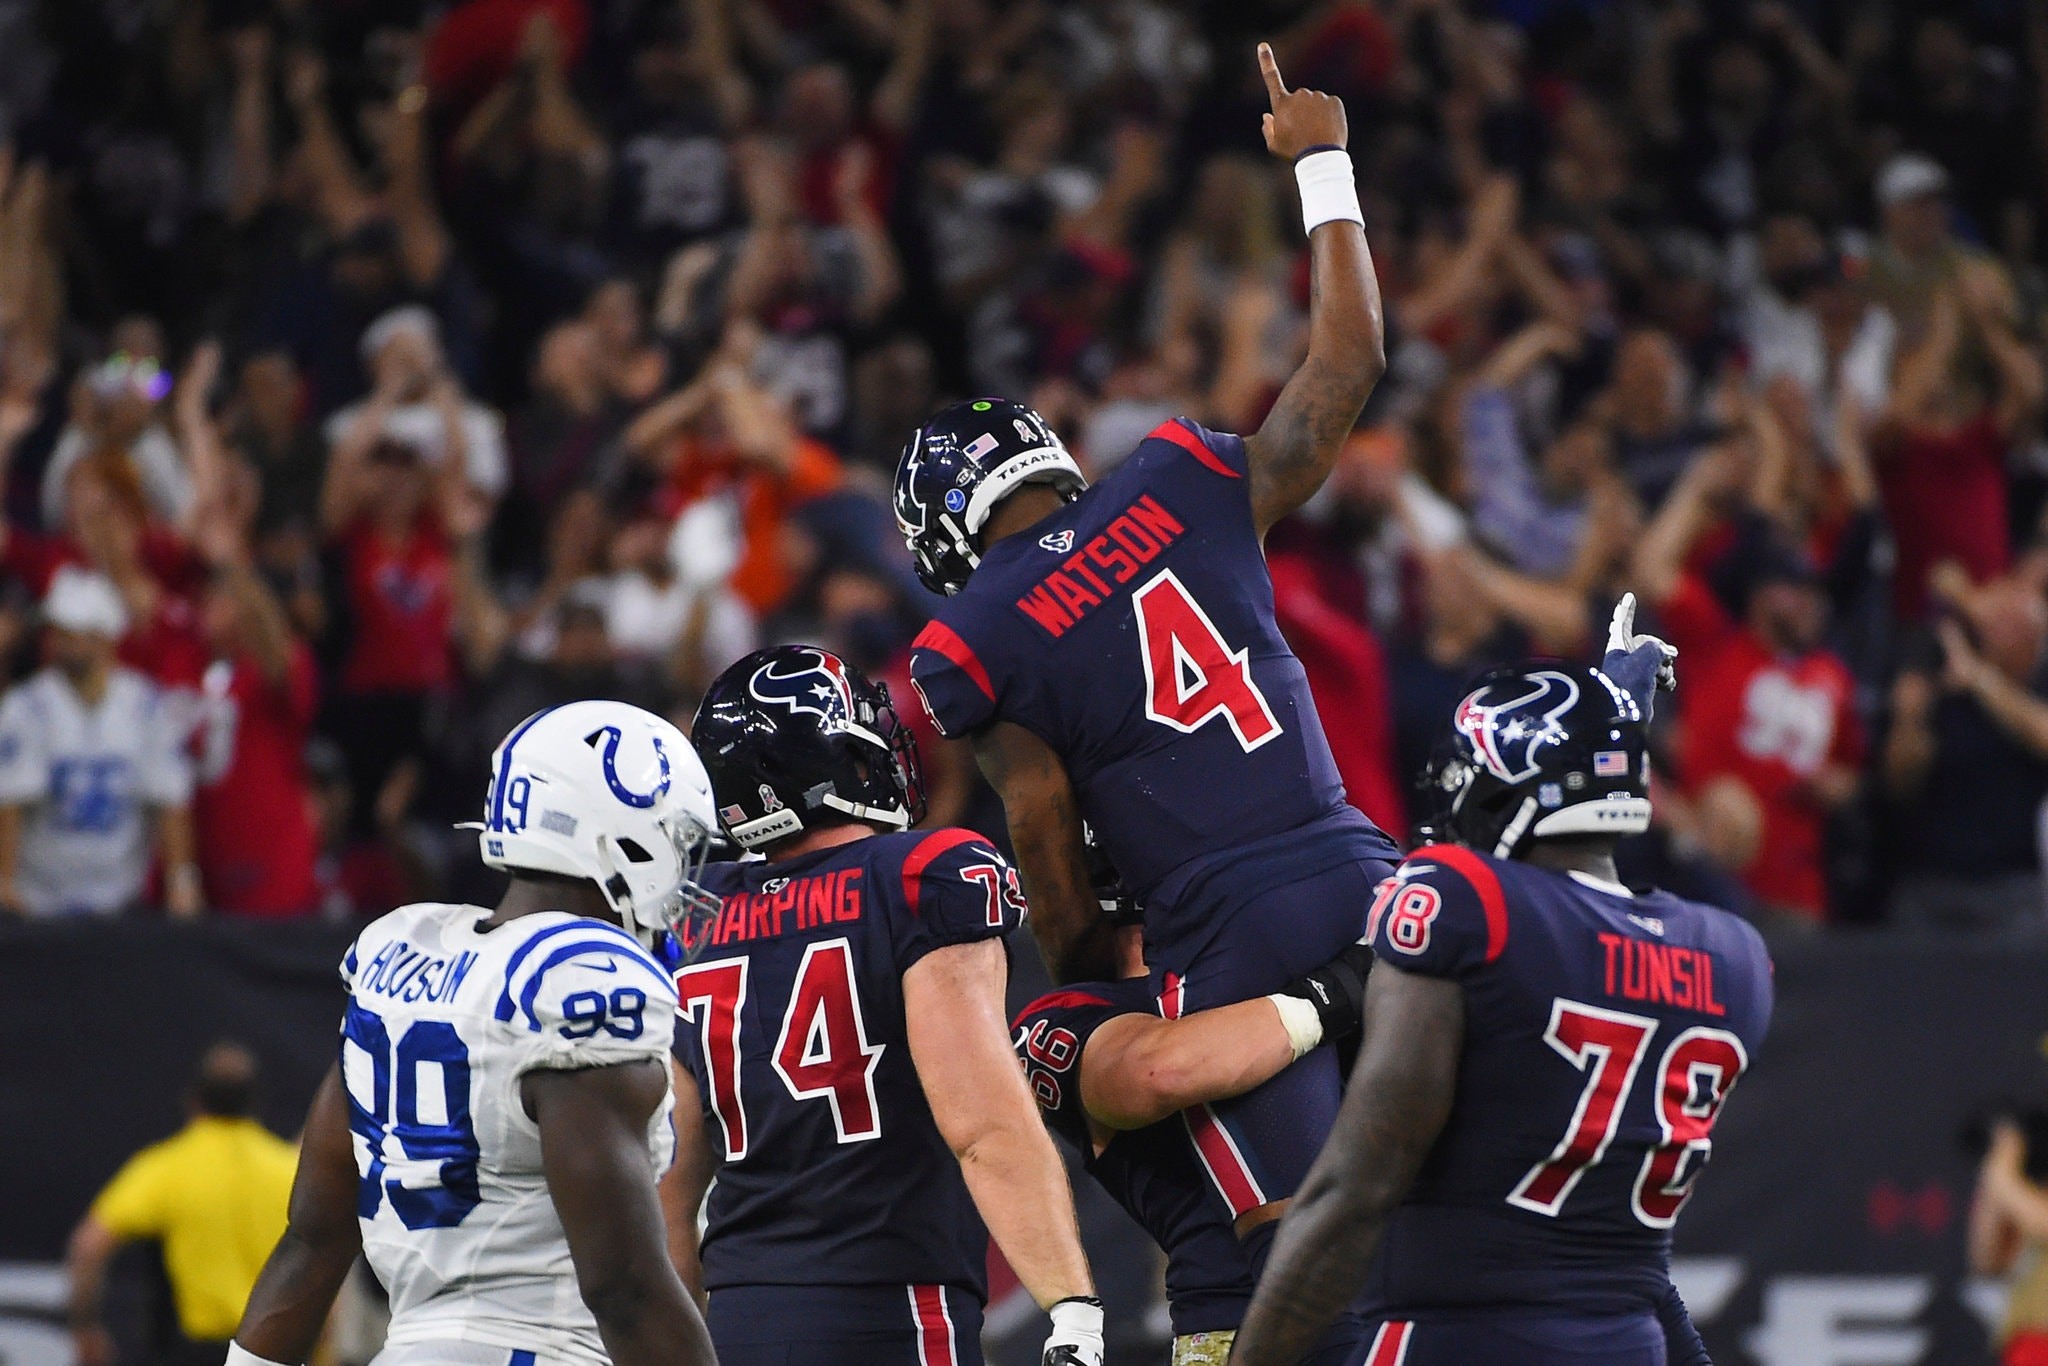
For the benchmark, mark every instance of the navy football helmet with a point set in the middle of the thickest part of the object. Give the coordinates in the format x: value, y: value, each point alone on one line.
x: 1539, y: 751
x: 957, y: 467
x: 795, y: 738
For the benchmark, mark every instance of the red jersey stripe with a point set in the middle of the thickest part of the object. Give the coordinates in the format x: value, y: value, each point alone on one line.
x: 920, y: 858
x: 1175, y: 431
x: 944, y: 640
x: 1484, y: 881
x: 1058, y: 1000
x: 1390, y: 1344
x: 934, y: 1326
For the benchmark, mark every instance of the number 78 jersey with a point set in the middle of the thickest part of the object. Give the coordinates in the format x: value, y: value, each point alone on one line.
x: 1133, y: 631
x: 1603, y: 1033
x: 444, y: 1018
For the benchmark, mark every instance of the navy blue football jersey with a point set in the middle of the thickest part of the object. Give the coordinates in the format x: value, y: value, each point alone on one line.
x: 1603, y: 1032
x: 834, y: 1171
x: 1155, y: 1173
x: 1133, y: 631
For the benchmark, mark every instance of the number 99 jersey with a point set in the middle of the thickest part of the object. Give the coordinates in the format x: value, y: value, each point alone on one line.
x: 1604, y: 1031
x: 444, y: 1018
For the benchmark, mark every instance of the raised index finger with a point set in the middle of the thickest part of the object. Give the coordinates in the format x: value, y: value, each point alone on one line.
x: 1270, y: 69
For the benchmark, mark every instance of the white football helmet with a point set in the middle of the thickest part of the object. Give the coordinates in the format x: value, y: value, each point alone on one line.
x: 607, y: 792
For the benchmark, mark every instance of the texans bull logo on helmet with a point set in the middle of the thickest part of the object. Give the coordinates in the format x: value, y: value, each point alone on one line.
x: 1506, y: 733
x: 820, y: 688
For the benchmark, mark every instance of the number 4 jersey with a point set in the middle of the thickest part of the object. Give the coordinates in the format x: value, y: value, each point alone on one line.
x: 444, y: 1018
x: 1133, y: 631
x: 1603, y: 1032
x: 834, y: 1170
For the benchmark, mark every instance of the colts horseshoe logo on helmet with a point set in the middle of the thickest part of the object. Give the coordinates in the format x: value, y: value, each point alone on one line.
x: 820, y: 688
x: 1506, y: 732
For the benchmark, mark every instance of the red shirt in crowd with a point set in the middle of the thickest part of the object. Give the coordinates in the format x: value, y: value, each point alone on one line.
x: 1945, y: 497
x: 1769, y: 722
x: 167, y: 646
x: 252, y: 809
x: 1347, y: 676
x: 401, y: 610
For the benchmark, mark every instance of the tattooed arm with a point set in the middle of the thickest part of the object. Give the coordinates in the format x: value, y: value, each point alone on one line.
x: 1399, y: 1097
x: 1291, y: 454
x: 1045, y: 830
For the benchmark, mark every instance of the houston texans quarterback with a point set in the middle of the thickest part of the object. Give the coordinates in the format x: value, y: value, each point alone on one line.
x: 491, y: 1135
x: 1546, y: 1053
x: 1113, y: 653
x: 849, y: 1055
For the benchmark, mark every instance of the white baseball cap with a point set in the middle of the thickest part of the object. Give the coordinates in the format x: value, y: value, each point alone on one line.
x: 80, y: 600
x: 1909, y: 175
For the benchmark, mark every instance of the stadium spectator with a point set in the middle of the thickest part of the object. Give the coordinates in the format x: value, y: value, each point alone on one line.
x: 730, y: 254
x: 2007, y: 1231
x: 251, y: 808
x: 212, y: 1195
x: 1976, y: 733
x: 1768, y: 736
x: 93, y: 781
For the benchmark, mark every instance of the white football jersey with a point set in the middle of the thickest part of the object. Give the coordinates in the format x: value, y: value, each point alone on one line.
x: 88, y: 776
x: 444, y: 1018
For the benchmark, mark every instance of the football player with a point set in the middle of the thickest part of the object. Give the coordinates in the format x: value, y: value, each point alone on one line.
x: 491, y: 1136
x: 1113, y: 654
x: 850, y: 1057
x: 1545, y: 1055
x: 1129, y: 1089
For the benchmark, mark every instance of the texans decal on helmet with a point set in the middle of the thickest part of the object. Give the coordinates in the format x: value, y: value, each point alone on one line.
x: 820, y: 688
x: 1508, y: 747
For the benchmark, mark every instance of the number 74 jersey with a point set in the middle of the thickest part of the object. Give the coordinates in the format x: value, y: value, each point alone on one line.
x: 1604, y: 1032
x: 1133, y: 630
x: 444, y: 1018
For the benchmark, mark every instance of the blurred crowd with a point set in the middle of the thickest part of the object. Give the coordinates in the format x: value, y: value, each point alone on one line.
x: 375, y: 372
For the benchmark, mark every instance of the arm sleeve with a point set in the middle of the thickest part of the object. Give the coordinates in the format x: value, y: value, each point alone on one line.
x: 956, y: 890
x: 1441, y: 914
x: 951, y: 681
x: 590, y: 997
x: 24, y: 766
x: 131, y: 1206
x: 1050, y: 1035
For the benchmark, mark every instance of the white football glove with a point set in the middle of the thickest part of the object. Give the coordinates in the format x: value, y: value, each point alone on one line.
x: 1622, y: 638
x: 1076, y: 1337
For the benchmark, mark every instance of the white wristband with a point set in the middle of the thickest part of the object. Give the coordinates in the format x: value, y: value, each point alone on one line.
x: 1329, y: 192
x: 1303, y: 1025
x: 238, y: 1355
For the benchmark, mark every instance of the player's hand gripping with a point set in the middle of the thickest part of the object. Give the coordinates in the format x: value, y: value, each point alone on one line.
x: 1302, y: 120
x: 1076, y: 1337
x: 1337, y: 991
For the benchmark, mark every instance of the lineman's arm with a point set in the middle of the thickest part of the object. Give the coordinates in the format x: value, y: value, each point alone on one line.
x: 1399, y: 1097
x: 1294, y: 449
x: 289, y: 1305
x: 1045, y: 830
x: 1139, y: 1069
x: 593, y: 1142
x: 960, y: 1043
x: 689, y: 1177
